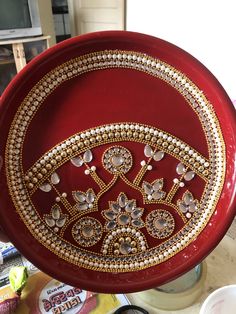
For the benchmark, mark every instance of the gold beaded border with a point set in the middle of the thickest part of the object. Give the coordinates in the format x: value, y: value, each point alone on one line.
x: 165, y: 72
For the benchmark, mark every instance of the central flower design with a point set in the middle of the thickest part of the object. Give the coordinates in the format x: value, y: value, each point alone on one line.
x: 123, y: 212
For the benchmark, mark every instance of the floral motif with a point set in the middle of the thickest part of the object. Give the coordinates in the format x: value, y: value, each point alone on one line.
x: 84, y: 200
x: 123, y: 212
x: 188, y: 204
x: 56, y: 219
x: 54, y: 180
x: 160, y: 223
x: 182, y: 170
x: 78, y: 161
x: 87, y: 231
x: 156, y: 155
x: 153, y: 191
x: 117, y: 159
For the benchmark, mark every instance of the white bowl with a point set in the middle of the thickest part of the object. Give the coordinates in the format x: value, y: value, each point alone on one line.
x: 221, y: 301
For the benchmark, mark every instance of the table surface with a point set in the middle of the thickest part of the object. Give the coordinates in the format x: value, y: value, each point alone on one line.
x: 221, y: 271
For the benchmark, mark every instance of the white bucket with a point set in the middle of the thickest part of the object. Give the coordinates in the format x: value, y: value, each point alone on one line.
x: 221, y: 301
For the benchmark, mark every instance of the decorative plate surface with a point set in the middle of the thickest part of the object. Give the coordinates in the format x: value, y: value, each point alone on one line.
x: 118, y: 170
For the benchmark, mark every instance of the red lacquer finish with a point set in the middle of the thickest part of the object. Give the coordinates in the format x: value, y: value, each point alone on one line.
x: 109, y: 96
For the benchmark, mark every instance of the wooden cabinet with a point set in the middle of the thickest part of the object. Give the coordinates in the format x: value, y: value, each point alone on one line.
x: 15, y: 54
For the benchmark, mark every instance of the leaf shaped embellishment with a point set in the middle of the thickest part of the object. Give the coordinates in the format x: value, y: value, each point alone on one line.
x: 55, y: 179
x: 88, y: 156
x: 90, y: 196
x: 122, y: 200
x: 148, y: 152
x: 46, y: 187
x: 157, y: 184
x: 56, y: 212
x: 77, y: 161
x: 79, y: 196
x: 180, y: 169
x: 158, y: 155
x: 50, y: 221
x: 148, y: 188
x: 189, y: 175
x: 60, y: 222
x: 188, y: 198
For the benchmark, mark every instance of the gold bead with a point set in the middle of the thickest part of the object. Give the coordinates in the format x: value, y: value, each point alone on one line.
x: 148, y: 137
x: 92, y: 140
x: 171, y: 147
x: 69, y: 151
x: 159, y: 141
x: 191, y: 161
x: 98, y: 138
x: 58, y: 158
x: 48, y: 166
x: 135, y: 134
x: 39, y: 175
x: 35, y: 180
x: 63, y: 154
x: 105, y: 136
x: 86, y: 142
x: 44, y: 171
x: 201, y: 168
x: 30, y: 185
x: 81, y: 144
x: 141, y: 136
x: 74, y: 148
x: 154, y: 139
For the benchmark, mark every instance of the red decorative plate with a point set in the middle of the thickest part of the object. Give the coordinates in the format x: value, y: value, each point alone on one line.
x: 118, y: 167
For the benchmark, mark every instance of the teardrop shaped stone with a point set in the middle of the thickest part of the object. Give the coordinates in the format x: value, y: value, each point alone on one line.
x: 109, y: 214
x: 158, y: 155
x: 79, y: 197
x: 50, y: 222
x: 122, y: 200
x: 55, y: 179
x: 157, y: 195
x: 115, y: 207
x: 82, y: 206
x: 180, y: 169
x: 160, y: 223
x: 189, y: 175
x: 137, y: 223
x: 117, y: 160
x: 148, y: 189
x: 183, y: 207
x: 123, y: 219
x: 125, y: 248
x: 130, y: 206
x: 60, y: 222
x: 55, y: 212
x: 88, y: 156
x: 111, y: 225
x: 193, y: 207
x: 148, y: 152
x: 46, y: 187
x: 137, y: 213
x: 77, y: 161
x: 158, y: 184
x: 188, y: 198
x: 90, y: 197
